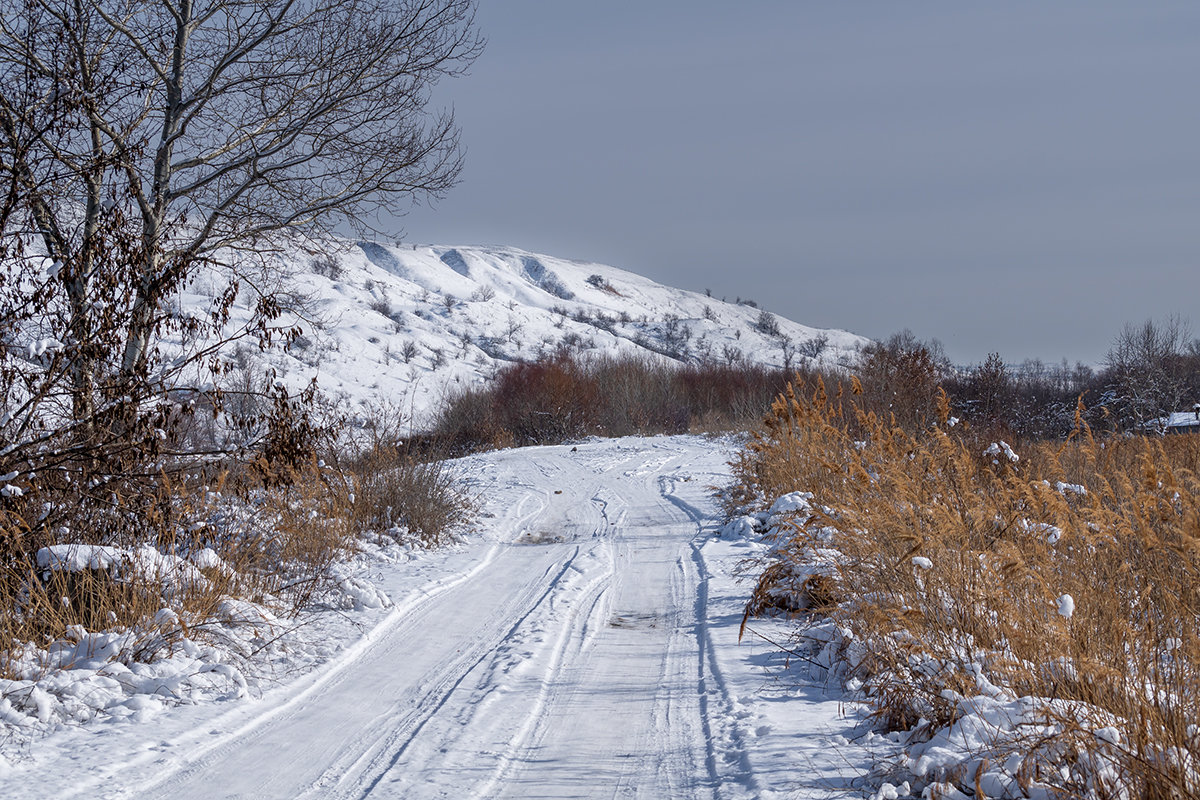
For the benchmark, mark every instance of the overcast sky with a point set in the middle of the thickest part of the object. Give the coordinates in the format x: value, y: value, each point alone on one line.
x: 1021, y: 177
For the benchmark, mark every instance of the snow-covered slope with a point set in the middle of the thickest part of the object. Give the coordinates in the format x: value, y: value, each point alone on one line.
x: 404, y: 324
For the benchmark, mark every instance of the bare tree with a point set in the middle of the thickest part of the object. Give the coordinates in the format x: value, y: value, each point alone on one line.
x: 143, y: 140
x: 994, y: 386
x: 171, y: 129
x: 813, y: 347
x: 901, y: 376
x: 788, y: 347
x: 1148, y: 370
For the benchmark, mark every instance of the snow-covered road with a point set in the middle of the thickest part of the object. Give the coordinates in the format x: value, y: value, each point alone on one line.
x: 586, y: 647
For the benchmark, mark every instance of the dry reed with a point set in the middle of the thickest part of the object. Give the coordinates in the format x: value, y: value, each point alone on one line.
x: 955, y: 553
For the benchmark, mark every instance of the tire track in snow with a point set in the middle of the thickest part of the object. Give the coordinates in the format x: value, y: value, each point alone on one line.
x: 657, y: 769
x: 618, y: 506
x: 384, y: 756
x: 202, y: 749
x: 428, y: 693
x: 579, y: 627
x: 535, y: 721
x: 200, y: 746
x: 675, y: 729
x: 678, y: 715
x: 707, y: 668
x: 560, y: 684
x: 655, y: 762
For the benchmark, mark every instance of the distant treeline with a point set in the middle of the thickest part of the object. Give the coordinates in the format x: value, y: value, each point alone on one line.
x: 1150, y: 370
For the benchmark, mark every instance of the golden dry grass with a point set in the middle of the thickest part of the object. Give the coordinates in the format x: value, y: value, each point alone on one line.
x: 1006, y: 540
x: 418, y: 500
x: 273, y: 545
x: 276, y: 537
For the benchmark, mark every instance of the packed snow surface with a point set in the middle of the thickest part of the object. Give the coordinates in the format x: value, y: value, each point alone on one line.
x: 583, y: 643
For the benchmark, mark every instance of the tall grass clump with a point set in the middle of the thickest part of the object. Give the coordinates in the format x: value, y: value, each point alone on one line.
x: 1062, y: 577
x: 415, y: 500
x: 159, y: 558
x: 401, y: 485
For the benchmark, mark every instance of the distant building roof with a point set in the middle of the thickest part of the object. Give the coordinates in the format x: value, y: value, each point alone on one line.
x: 1184, y: 419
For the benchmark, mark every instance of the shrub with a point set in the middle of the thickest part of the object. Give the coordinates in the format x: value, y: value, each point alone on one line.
x: 562, y: 397
x: 381, y: 307
x: 600, y: 283
x: 158, y: 572
x: 813, y: 347
x: 325, y: 264
x: 414, y: 500
x: 900, y: 378
x: 767, y: 324
x: 483, y: 294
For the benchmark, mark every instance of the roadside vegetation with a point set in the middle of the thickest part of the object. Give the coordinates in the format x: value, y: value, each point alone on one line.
x: 569, y: 397
x: 1022, y: 607
x: 188, y: 549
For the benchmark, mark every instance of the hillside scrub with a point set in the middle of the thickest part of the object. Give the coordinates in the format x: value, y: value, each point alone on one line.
x: 563, y: 397
x: 1025, y: 612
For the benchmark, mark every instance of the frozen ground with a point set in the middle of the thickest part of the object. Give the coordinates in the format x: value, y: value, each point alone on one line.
x: 584, y: 644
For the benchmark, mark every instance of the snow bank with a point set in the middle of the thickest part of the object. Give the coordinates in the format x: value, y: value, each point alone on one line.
x: 89, y: 675
x: 145, y: 561
x: 171, y: 659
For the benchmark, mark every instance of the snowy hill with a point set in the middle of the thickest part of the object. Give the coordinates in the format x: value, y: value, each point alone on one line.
x: 406, y: 324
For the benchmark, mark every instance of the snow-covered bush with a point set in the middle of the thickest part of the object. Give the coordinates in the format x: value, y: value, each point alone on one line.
x: 767, y: 324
